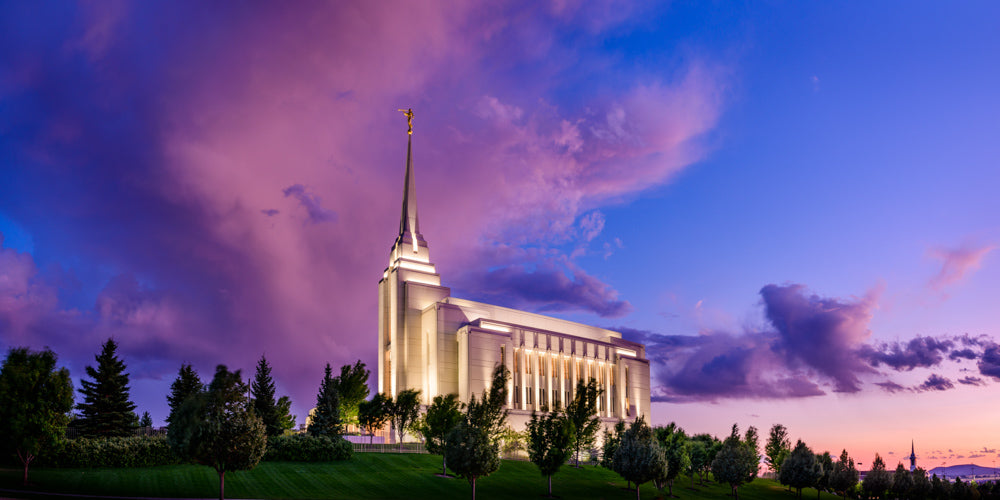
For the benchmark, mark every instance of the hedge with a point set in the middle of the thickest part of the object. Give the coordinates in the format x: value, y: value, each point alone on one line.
x: 304, y: 448
x: 133, y: 451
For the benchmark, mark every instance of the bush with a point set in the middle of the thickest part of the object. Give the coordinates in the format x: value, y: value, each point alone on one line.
x: 304, y: 448
x: 134, y: 451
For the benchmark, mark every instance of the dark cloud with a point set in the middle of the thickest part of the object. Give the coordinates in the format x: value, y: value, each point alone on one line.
x: 271, y: 212
x: 312, y: 203
x: 971, y: 381
x: 919, y: 352
x: 935, y: 383
x: 547, y: 287
x: 890, y: 387
x: 963, y: 354
x: 989, y: 363
x: 822, y: 333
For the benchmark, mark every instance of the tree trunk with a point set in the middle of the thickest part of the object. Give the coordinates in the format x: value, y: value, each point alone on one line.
x: 444, y: 465
x: 670, y: 488
x: 26, y: 459
x: 222, y: 485
x: 736, y: 495
x: 550, y: 486
x: 25, y: 472
x: 473, y: 488
x: 636, y: 491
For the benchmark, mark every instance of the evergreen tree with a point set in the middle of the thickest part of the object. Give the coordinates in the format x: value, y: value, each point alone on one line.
x: 35, y: 399
x: 373, y: 414
x: 326, y: 418
x: 639, y: 458
x: 106, y: 409
x: 844, y: 476
x: 473, y: 448
x: 405, y: 412
x: 777, y: 447
x: 146, y: 422
x: 800, y: 469
x: 443, y: 415
x: 352, y: 386
x: 219, y: 428
x: 274, y: 414
x: 550, y: 442
x: 186, y: 384
x: 878, y: 480
x: 582, y: 412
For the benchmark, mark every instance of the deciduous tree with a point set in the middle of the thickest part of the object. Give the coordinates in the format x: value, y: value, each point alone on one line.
x: 902, y: 482
x: 777, y: 447
x: 639, y: 458
x: 218, y: 427
x: 844, y: 476
x: 878, y: 480
x: 106, y: 409
x: 550, y: 442
x: 673, y: 441
x: 582, y: 412
x: 326, y: 418
x: 735, y: 463
x: 405, y: 411
x: 921, y: 485
x: 473, y: 449
x: 800, y: 469
x: 35, y: 401
x: 443, y: 415
x: 352, y: 385
x: 826, y: 464
x: 373, y: 414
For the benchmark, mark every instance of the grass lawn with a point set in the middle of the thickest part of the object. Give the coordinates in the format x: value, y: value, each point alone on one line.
x: 368, y: 476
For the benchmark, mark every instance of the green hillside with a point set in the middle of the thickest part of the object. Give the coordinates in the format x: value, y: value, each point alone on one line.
x: 366, y: 475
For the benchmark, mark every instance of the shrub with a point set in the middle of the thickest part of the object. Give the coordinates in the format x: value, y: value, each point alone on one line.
x: 305, y: 448
x: 134, y: 451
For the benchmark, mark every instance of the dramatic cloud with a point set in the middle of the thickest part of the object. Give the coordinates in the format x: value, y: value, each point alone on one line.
x: 225, y: 181
x: 957, y: 263
x: 936, y: 383
x: 958, y: 354
x: 919, y: 352
x: 822, y: 333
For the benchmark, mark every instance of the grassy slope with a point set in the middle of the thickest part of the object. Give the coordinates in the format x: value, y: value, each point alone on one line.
x: 366, y: 475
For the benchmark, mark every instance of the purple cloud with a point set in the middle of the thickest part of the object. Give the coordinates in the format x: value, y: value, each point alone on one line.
x: 919, y: 352
x: 956, y: 263
x: 312, y: 203
x: 547, y: 287
x: 989, y: 363
x: 958, y: 354
x: 822, y: 333
x: 890, y: 387
x: 935, y: 383
x: 976, y: 381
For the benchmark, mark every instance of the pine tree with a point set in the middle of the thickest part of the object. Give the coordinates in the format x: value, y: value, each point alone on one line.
x: 146, y: 421
x: 844, y: 476
x: 274, y: 414
x: 106, y: 409
x: 326, y: 419
x: 185, y: 385
x: 878, y: 480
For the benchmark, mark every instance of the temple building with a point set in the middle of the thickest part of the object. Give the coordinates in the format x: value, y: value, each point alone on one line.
x: 439, y: 344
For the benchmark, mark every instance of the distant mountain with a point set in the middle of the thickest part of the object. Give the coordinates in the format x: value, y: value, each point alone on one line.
x: 963, y: 470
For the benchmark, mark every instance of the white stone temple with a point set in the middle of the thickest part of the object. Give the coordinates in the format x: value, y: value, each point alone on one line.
x: 439, y: 344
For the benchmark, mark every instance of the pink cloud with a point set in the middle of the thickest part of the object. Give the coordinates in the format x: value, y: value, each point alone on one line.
x: 957, y: 263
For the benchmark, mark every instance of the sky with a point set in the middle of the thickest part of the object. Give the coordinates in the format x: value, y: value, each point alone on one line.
x: 792, y: 204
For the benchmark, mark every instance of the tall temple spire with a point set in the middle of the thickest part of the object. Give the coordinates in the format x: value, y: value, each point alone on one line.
x: 408, y: 219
